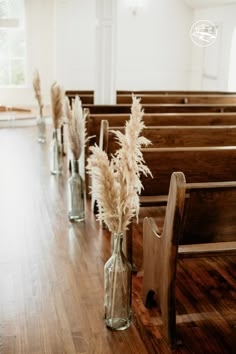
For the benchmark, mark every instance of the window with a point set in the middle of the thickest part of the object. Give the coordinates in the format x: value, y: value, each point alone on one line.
x: 12, y: 43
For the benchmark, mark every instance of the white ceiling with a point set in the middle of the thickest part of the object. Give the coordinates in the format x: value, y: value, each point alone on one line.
x: 209, y: 3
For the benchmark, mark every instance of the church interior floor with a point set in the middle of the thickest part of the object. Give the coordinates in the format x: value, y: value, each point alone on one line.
x: 51, y: 272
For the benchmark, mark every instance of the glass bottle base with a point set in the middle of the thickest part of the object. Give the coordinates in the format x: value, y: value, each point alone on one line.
x: 118, y: 324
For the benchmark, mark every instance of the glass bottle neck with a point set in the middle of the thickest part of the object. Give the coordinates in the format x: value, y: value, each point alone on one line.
x: 41, y: 111
x: 55, y: 134
x: 74, y: 167
x: 117, y: 242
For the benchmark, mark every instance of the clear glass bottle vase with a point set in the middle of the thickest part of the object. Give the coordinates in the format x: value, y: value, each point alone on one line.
x: 41, y: 127
x: 117, y: 287
x: 56, y: 153
x: 76, y: 194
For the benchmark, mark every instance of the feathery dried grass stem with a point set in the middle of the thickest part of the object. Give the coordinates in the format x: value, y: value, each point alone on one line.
x: 57, y: 95
x: 37, y: 90
x: 76, y: 127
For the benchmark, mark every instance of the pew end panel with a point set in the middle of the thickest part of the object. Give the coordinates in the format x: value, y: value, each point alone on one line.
x: 160, y: 256
x: 185, y: 235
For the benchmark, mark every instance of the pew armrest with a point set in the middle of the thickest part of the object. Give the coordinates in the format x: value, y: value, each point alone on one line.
x: 207, y: 249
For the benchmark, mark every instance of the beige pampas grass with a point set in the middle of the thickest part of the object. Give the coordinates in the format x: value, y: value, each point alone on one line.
x: 37, y: 90
x: 76, y: 127
x: 57, y: 96
x: 116, y: 183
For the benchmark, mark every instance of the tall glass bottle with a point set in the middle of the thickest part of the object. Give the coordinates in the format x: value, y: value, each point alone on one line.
x: 117, y: 287
x: 56, y: 153
x: 41, y: 126
x: 76, y: 194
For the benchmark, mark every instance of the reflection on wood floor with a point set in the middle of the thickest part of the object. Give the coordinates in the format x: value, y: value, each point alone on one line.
x: 51, y: 273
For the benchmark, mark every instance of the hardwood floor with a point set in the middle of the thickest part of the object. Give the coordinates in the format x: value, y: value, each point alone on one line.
x: 51, y: 273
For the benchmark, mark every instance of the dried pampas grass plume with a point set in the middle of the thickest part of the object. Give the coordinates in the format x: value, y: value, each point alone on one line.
x: 37, y: 90
x: 116, y: 184
x: 57, y: 95
x: 105, y: 188
x: 76, y: 127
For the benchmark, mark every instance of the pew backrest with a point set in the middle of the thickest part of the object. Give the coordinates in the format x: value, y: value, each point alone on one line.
x: 199, y: 164
x: 159, y: 119
x: 173, y: 92
x: 86, y: 96
x: 178, y: 99
x: 177, y: 136
x: 161, y: 108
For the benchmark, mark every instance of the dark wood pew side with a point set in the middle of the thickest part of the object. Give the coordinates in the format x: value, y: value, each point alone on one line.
x: 200, y: 221
x: 161, y: 108
x: 176, y: 136
x: 173, y: 92
x: 178, y: 99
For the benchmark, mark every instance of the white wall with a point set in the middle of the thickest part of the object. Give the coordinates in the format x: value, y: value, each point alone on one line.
x: 153, y: 46
x: 75, y: 22
x: 218, y: 55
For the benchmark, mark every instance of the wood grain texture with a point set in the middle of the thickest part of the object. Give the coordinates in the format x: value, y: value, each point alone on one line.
x: 177, y: 136
x: 51, y: 271
x: 181, y: 226
x: 86, y: 96
x: 160, y: 119
x: 178, y: 99
x: 173, y: 92
x: 162, y: 108
x: 199, y: 164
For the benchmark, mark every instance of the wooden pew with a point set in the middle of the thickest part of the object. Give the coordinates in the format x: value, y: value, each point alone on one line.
x: 178, y: 99
x: 200, y: 164
x: 200, y: 221
x: 86, y: 96
x: 162, y: 108
x: 175, y: 136
x: 160, y: 119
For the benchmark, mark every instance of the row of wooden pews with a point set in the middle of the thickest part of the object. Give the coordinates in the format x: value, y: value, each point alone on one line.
x: 194, y: 148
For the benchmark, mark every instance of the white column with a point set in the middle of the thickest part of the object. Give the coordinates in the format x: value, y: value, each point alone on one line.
x: 105, y: 52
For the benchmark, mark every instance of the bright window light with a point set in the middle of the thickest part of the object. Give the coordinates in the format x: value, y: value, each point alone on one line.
x: 12, y: 43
